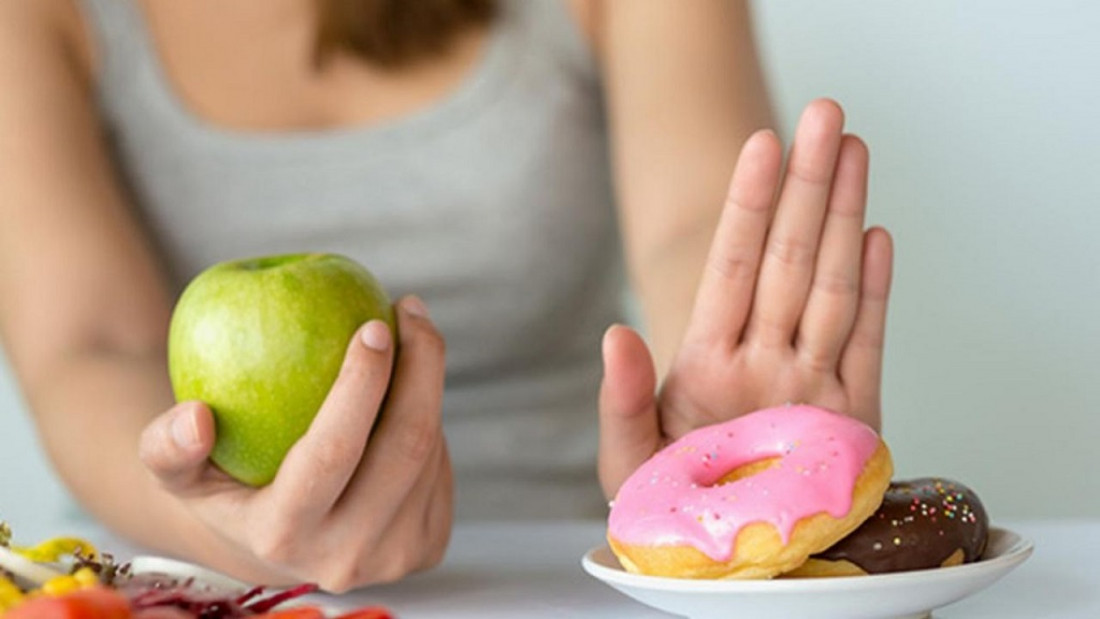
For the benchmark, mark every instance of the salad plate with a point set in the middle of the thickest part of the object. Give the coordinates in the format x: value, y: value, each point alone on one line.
x: 182, y: 570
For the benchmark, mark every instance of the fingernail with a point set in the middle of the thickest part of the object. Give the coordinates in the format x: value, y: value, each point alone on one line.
x: 605, y: 342
x: 415, y: 306
x: 375, y: 335
x: 185, y: 430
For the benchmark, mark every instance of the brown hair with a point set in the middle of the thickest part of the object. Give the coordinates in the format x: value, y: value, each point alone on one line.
x: 395, y: 33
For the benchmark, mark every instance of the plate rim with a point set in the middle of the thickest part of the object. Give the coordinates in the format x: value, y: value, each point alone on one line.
x: 1018, y: 550
x: 178, y: 568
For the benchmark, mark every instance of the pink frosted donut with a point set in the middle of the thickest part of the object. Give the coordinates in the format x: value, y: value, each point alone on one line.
x: 750, y: 498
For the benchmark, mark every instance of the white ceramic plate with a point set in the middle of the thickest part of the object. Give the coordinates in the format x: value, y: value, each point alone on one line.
x: 206, y: 577
x: 184, y: 570
x: 901, y: 595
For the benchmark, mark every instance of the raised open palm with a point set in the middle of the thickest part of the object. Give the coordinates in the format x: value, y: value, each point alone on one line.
x: 791, y: 306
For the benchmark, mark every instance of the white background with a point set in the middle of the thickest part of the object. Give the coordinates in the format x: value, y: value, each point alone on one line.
x: 983, y: 120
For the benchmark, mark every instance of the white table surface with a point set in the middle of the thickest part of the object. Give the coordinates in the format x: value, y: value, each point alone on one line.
x: 533, y: 570
x: 530, y: 569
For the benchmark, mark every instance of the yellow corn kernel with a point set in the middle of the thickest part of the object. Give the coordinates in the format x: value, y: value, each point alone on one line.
x: 53, y: 549
x: 60, y: 585
x: 86, y: 577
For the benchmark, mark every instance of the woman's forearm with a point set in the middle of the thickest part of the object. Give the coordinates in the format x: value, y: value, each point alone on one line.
x: 684, y: 91
x: 90, y: 408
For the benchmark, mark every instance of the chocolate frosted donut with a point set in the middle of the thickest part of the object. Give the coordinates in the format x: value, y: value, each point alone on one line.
x: 922, y: 523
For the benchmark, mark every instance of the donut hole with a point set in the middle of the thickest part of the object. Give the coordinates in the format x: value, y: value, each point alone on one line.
x: 748, y: 470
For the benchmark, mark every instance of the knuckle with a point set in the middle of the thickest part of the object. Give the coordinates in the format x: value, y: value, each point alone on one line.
x: 333, y: 453
x: 769, y: 334
x: 734, y: 266
x: 435, y: 556
x: 874, y: 297
x: 790, y: 251
x: 341, y: 579
x: 736, y: 200
x: 418, y: 438
x: 275, y: 544
x: 432, y: 343
x: 407, y: 561
x: 393, y: 571
x: 867, y: 339
x: 438, y: 549
x: 836, y: 285
x: 421, y: 334
x: 387, y: 568
x: 818, y: 360
x: 809, y: 174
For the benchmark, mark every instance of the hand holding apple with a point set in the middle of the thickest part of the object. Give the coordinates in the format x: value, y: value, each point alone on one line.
x: 260, y: 341
x: 364, y: 496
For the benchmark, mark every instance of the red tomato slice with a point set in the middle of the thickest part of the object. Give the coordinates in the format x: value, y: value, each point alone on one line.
x: 98, y: 603
x: 304, y: 612
x: 163, y: 612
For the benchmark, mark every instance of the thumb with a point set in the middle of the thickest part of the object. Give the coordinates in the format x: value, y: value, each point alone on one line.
x: 176, y: 444
x: 629, y: 426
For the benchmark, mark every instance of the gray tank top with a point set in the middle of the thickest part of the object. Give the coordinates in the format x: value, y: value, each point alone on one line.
x: 494, y: 205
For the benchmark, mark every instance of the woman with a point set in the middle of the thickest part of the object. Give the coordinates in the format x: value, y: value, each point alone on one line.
x: 466, y: 152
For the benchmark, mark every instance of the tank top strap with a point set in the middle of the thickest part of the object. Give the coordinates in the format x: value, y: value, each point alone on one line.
x: 555, y: 29
x: 119, y: 32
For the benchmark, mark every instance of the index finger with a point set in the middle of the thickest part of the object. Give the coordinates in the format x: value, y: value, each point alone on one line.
x: 317, y: 468
x: 725, y: 293
x: 410, y: 430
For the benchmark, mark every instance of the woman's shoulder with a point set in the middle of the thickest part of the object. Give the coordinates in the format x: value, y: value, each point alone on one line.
x: 50, y: 33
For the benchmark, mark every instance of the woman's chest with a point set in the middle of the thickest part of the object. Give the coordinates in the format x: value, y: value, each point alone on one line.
x: 252, y: 66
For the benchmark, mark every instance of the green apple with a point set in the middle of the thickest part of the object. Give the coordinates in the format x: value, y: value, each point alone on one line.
x: 261, y: 341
